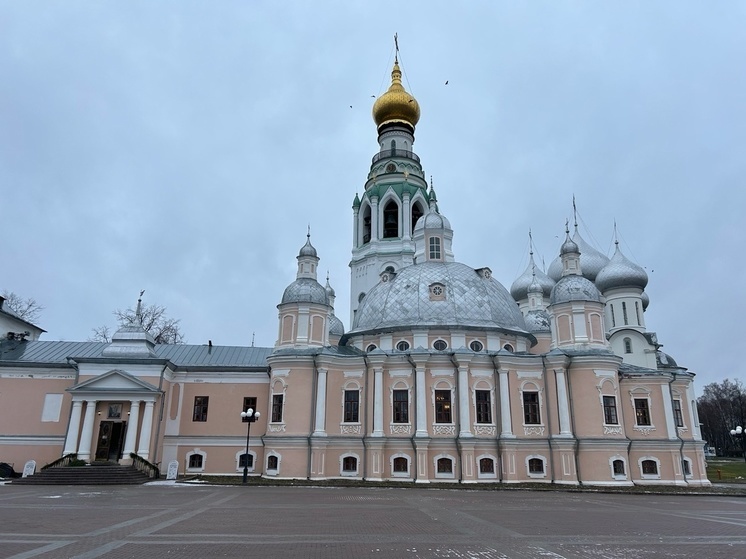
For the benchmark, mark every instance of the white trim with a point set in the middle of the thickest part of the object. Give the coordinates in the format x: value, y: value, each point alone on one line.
x: 409, y: 465
x: 618, y: 477
x: 272, y: 471
x: 658, y: 467
x: 349, y: 473
x: 536, y: 475
x: 481, y: 475
x: 189, y: 454
x: 444, y: 475
x: 240, y: 453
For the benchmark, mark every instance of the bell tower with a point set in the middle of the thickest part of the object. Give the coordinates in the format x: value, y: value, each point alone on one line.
x: 395, y: 194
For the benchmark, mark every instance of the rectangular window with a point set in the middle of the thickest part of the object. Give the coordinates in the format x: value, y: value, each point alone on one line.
x: 52, y: 407
x: 401, y: 406
x: 610, y: 417
x: 642, y: 412
x: 678, y: 416
x: 434, y: 248
x: 352, y: 406
x: 248, y: 402
x: 277, y: 402
x: 442, y: 406
x: 531, y: 414
x: 484, y: 406
x: 624, y: 312
x: 200, y: 408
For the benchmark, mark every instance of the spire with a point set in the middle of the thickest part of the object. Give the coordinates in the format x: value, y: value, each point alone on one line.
x: 138, y: 310
x: 396, y: 106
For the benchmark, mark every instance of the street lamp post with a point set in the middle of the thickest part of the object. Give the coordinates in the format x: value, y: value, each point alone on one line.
x: 740, y: 434
x: 250, y: 416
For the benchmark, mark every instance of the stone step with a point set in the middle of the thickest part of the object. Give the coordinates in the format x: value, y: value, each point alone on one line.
x: 86, y: 475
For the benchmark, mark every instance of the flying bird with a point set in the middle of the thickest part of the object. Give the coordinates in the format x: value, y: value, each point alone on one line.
x: 446, y: 82
x: 350, y: 106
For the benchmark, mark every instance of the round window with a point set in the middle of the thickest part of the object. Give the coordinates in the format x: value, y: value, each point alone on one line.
x: 402, y: 345
x: 440, y: 345
x: 371, y: 347
x: 437, y: 290
x: 476, y: 345
x: 508, y: 347
x: 390, y: 168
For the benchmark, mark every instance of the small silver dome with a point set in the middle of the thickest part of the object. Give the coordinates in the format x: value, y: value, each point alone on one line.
x: 432, y: 220
x: 538, y: 321
x: 336, y: 328
x: 591, y: 260
x: 569, y: 247
x: 308, y: 249
x: 305, y: 290
x: 468, y: 300
x: 329, y: 289
x: 519, y: 289
x: 574, y: 288
x: 621, y: 272
x: 645, y: 300
x: 664, y: 360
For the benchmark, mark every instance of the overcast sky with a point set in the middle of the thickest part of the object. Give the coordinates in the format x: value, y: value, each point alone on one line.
x: 183, y: 147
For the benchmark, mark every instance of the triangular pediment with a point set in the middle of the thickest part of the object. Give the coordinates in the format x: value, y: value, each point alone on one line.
x: 113, y: 381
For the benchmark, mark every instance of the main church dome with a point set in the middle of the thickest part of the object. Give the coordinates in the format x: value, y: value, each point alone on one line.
x: 439, y: 294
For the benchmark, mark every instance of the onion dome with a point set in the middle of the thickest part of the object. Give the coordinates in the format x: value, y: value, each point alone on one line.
x: 305, y: 290
x: 569, y: 247
x: 308, y: 249
x: 396, y: 106
x: 591, y: 260
x: 336, y: 328
x: 645, y: 300
x: 538, y: 321
x: 621, y: 272
x: 439, y: 294
x: 574, y: 288
x: 356, y: 201
x: 521, y: 286
x: 329, y: 290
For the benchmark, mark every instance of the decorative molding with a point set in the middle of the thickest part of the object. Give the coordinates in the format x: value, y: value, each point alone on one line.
x: 528, y: 374
x: 481, y: 373
x: 400, y: 373
x: 280, y: 372
x: 353, y: 374
x: 351, y: 429
x: 609, y: 430
x: 644, y: 430
x: 440, y: 429
x: 276, y: 428
x: 603, y: 373
x: 485, y: 430
x: 441, y: 372
x: 682, y: 429
x: 400, y: 429
x: 533, y: 431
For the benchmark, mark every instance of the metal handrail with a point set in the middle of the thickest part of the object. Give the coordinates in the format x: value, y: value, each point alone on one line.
x: 385, y: 154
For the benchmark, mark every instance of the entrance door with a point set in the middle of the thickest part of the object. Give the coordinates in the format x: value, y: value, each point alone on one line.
x: 110, y: 440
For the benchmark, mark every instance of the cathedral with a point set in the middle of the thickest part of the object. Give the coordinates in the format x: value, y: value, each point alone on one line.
x: 444, y: 375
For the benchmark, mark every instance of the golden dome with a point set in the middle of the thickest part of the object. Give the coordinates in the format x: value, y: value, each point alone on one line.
x: 396, y: 105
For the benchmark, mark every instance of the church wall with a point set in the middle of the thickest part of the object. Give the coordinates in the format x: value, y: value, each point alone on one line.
x: 35, y: 405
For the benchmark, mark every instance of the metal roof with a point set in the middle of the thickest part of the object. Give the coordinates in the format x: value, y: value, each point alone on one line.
x: 181, y: 355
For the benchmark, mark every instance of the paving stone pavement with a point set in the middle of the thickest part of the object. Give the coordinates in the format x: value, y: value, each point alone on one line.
x: 176, y: 521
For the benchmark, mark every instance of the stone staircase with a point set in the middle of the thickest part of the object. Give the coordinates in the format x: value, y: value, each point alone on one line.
x: 97, y: 473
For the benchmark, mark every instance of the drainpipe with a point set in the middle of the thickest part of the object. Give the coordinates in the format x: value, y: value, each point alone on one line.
x: 676, y: 428
x: 365, y: 416
x: 313, y: 413
x: 414, y: 415
x: 74, y: 365
x: 456, y: 374
x: 495, y: 376
x: 160, y: 416
x: 549, y: 415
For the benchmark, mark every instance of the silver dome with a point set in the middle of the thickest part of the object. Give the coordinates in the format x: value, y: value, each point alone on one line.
x: 591, y: 260
x: 574, y: 288
x: 645, y: 300
x: 470, y: 301
x: 621, y: 272
x: 537, y: 321
x: 336, y: 328
x: 305, y: 290
x: 664, y: 360
x: 432, y: 220
x: 308, y: 249
x: 520, y: 287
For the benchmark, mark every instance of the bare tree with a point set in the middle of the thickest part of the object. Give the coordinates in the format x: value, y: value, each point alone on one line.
x: 722, y: 407
x: 154, y: 320
x: 27, y: 309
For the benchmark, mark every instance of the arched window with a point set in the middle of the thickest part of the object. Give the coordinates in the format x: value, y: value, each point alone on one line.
x: 401, y: 464
x: 417, y: 213
x: 508, y: 347
x: 195, y: 461
x: 536, y: 466
x: 390, y: 220
x: 445, y: 466
x: 618, y: 467
x: 246, y: 461
x: 402, y: 345
x: 613, y: 319
x: 360, y: 297
x: 371, y: 347
x: 272, y: 462
x: 366, y: 225
x: 637, y: 312
x: 627, y: 345
x: 393, y: 147
x: 624, y: 312
x: 349, y: 464
x: 649, y: 467
x: 486, y: 466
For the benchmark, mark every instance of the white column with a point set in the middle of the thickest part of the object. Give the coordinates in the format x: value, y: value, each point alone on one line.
x: 73, y: 429
x: 378, y: 402
x: 355, y: 227
x: 463, y: 402
x: 147, y: 426
x: 86, y: 437
x: 406, y: 219
x: 505, y: 420
x: 131, y: 438
x: 319, y: 422
x: 668, y: 410
x: 421, y: 403
x: 374, y: 219
x: 562, y: 403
